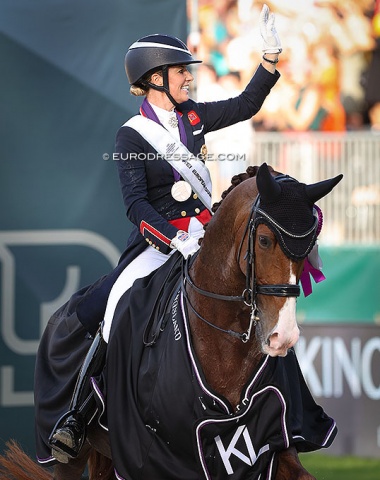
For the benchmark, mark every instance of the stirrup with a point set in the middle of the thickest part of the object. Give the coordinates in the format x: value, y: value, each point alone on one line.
x: 68, y: 437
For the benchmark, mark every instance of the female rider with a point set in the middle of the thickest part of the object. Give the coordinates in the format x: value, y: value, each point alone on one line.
x: 166, y: 190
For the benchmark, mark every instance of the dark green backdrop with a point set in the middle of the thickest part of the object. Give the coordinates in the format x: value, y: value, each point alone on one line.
x: 64, y: 94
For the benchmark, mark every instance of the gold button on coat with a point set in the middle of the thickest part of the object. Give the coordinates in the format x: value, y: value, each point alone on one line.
x: 183, y: 213
x: 197, y: 210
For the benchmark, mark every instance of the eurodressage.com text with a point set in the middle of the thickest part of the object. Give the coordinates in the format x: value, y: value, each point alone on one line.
x: 209, y: 157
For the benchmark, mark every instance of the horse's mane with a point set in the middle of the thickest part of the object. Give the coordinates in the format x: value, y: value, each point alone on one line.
x: 235, y: 181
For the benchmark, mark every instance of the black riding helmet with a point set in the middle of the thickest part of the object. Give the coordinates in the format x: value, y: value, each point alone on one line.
x: 152, y: 53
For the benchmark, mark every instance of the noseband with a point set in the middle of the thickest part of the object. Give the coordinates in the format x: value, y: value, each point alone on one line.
x: 252, y: 289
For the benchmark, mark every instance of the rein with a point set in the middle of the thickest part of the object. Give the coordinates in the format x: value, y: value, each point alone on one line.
x: 252, y: 289
x: 244, y: 336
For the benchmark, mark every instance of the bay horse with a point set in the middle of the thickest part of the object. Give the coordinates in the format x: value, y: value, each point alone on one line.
x: 237, y: 297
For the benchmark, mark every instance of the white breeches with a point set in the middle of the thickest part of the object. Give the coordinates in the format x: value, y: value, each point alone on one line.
x: 150, y: 259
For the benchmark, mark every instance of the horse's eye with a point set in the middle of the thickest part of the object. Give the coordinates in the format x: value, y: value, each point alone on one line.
x: 264, y: 241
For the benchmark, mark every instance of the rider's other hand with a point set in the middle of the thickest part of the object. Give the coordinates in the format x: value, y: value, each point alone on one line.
x: 185, y: 243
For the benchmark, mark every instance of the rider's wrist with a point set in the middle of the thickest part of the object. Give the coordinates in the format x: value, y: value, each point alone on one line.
x: 180, y: 237
x: 271, y: 58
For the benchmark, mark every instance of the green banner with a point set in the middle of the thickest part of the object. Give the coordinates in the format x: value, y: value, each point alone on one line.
x: 351, y: 291
x: 64, y: 94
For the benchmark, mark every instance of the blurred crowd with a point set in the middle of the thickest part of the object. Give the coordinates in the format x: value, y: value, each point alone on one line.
x: 330, y: 64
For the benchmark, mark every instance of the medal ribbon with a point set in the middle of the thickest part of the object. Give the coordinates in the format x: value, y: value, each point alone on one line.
x: 148, y: 112
x: 176, y: 154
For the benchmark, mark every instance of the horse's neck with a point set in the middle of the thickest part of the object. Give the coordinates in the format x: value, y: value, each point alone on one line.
x: 217, y: 265
x: 227, y: 362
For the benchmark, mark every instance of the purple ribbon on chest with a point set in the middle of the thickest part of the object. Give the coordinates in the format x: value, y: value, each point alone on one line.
x: 147, y: 111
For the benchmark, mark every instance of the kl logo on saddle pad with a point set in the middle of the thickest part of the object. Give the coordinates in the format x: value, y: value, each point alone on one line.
x: 226, y: 453
x: 227, y: 446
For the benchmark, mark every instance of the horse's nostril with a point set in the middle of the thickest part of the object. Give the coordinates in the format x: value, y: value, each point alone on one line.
x: 273, y: 336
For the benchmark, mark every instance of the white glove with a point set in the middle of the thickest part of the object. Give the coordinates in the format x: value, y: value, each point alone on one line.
x: 271, y: 40
x: 185, y: 243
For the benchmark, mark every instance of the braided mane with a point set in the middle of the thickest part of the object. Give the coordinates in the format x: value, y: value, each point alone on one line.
x: 235, y: 181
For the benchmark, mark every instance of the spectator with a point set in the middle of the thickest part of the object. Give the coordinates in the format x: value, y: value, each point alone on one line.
x: 372, y: 90
x: 331, y: 39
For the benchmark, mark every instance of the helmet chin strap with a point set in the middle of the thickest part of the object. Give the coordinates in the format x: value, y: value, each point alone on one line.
x: 165, y: 87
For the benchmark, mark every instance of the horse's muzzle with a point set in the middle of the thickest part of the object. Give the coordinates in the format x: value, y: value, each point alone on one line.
x: 278, y: 344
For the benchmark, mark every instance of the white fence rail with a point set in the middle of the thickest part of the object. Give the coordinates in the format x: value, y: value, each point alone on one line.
x: 352, y: 210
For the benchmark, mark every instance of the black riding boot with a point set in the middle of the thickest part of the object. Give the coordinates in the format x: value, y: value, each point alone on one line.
x: 69, y: 433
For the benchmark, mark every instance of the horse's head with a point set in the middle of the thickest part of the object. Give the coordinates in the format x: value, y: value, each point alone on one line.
x: 281, y: 231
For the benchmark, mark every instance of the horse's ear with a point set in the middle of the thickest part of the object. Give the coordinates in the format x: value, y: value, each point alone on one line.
x: 267, y: 186
x: 318, y: 190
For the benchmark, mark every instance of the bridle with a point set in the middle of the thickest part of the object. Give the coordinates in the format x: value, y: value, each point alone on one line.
x: 252, y: 288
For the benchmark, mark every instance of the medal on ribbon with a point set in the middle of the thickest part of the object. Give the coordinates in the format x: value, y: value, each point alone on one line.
x: 181, y: 191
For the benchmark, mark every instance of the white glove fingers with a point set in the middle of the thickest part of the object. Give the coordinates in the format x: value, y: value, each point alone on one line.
x: 271, y: 41
x: 271, y: 22
x: 264, y: 19
x: 264, y: 13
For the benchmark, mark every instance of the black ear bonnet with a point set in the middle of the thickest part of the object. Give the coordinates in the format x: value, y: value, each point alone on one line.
x: 288, y: 208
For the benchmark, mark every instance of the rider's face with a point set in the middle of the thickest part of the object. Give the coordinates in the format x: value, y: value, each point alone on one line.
x: 179, y: 82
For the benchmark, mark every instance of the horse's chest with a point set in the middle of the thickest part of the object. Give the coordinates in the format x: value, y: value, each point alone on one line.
x: 228, y: 378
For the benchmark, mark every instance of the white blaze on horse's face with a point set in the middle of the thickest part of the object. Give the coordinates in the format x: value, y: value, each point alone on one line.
x: 286, y: 332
